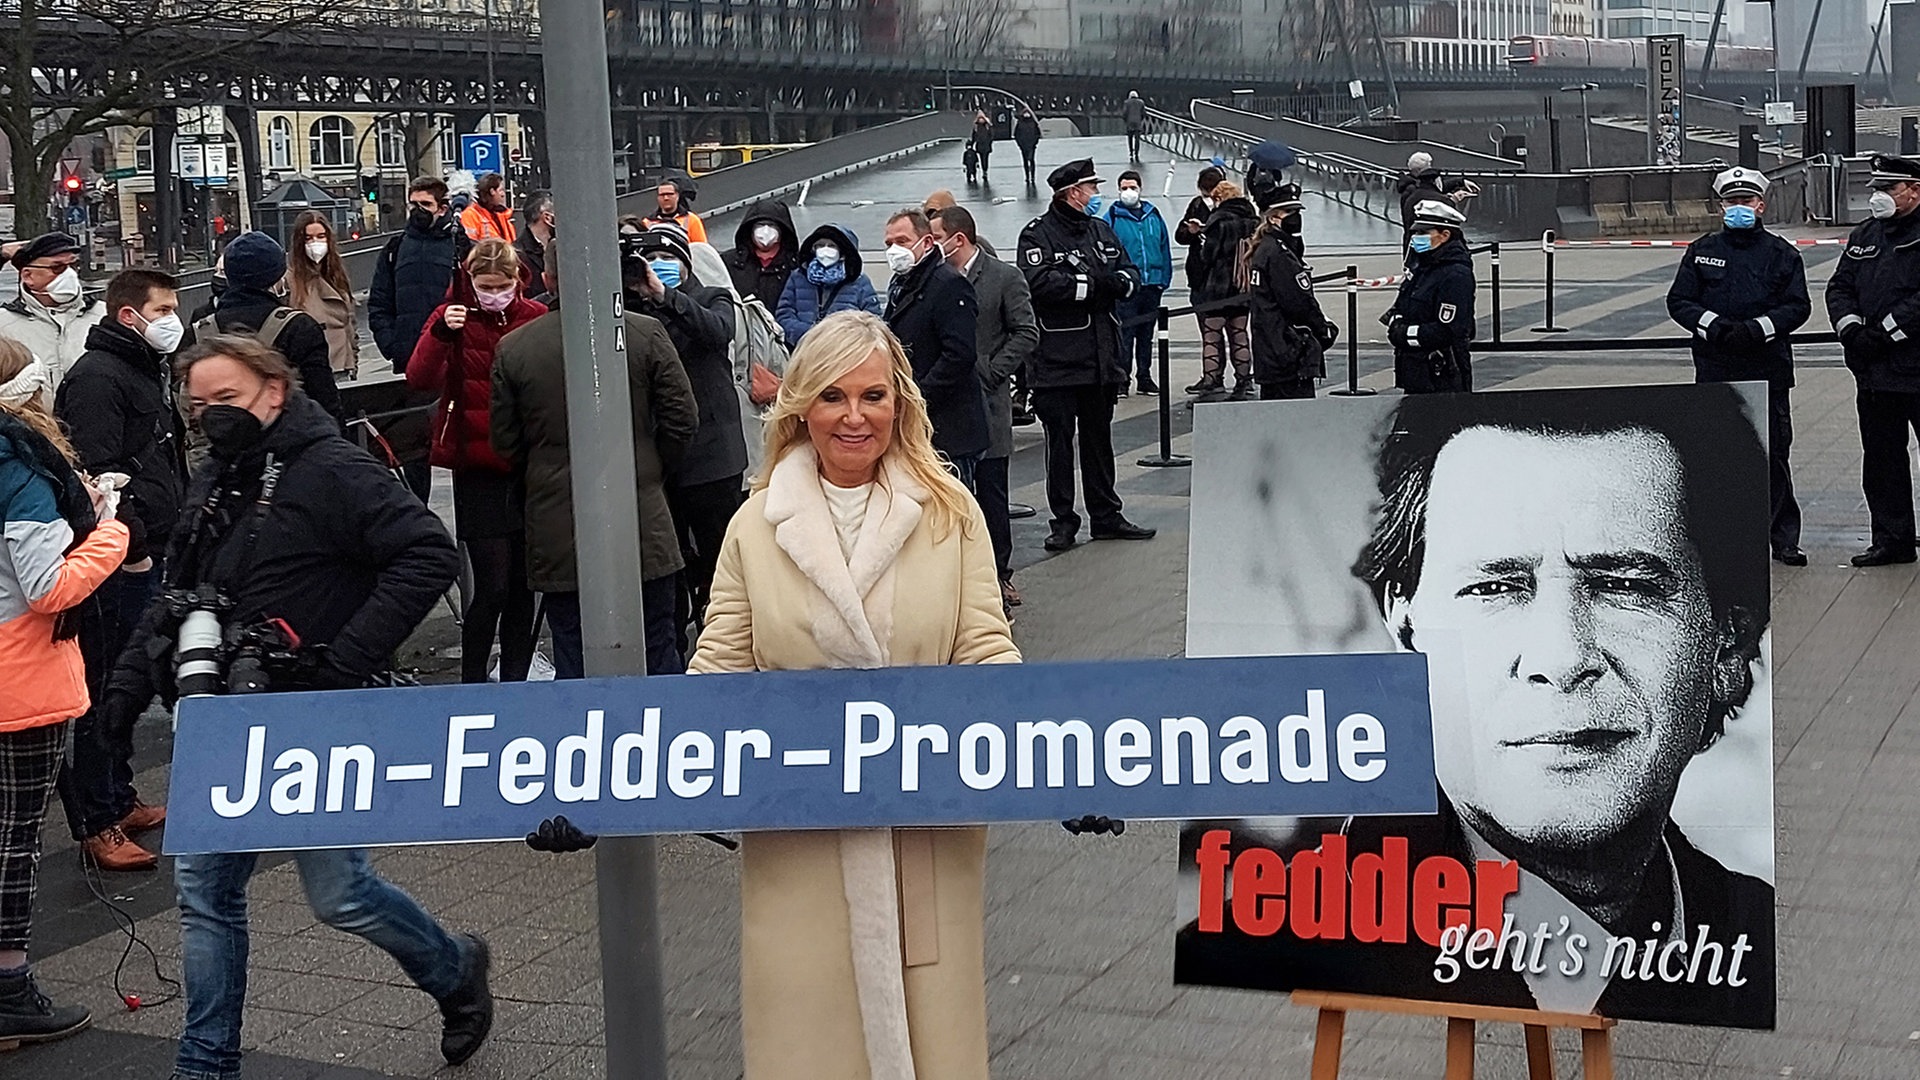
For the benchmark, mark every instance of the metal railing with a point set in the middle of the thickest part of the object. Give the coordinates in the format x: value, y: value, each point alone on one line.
x: 1358, y: 185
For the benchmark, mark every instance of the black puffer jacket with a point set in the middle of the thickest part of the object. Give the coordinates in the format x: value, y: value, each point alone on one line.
x: 699, y: 320
x: 751, y: 277
x: 1230, y: 224
x: 118, y: 411
x: 345, y: 554
x: 1431, y: 321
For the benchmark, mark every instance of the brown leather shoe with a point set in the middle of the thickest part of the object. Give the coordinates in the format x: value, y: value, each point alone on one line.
x: 143, y: 817
x: 111, y: 850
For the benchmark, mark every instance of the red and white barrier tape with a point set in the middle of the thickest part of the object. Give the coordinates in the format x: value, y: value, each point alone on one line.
x: 1821, y: 241
x: 1389, y: 281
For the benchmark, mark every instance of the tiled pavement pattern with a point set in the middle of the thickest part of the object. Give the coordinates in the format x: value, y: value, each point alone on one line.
x: 1079, y: 942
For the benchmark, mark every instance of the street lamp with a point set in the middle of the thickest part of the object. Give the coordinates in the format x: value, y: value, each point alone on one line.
x: 1586, y: 118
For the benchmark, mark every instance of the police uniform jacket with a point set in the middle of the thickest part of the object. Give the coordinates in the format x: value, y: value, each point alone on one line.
x: 1431, y: 321
x: 1876, y: 286
x: 1285, y: 324
x: 1738, y: 276
x: 1076, y: 269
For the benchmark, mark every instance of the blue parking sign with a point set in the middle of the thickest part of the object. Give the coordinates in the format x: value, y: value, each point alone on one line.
x: 481, y: 153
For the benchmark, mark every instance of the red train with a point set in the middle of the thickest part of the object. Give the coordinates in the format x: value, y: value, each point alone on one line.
x: 1531, y: 50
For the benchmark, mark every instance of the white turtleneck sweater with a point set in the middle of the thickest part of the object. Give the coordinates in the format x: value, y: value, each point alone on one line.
x: 849, y: 509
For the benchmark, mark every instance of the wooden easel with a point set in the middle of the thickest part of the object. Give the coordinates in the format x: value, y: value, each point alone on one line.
x: 1596, y: 1046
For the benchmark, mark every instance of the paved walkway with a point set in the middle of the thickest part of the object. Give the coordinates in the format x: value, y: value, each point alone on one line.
x: 1079, y: 929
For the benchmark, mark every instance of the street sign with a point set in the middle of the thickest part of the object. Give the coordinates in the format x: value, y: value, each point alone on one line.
x: 202, y: 163
x: 121, y: 174
x: 481, y: 152
x: 1779, y: 113
x: 516, y: 155
x: 76, y: 215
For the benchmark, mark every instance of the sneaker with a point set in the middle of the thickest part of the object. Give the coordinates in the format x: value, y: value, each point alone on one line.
x: 1148, y: 388
x: 1122, y: 529
x: 1242, y: 391
x: 467, y: 1013
x: 143, y: 817
x: 1207, y: 382
x: 110, y: 849
x: 28, y: 1016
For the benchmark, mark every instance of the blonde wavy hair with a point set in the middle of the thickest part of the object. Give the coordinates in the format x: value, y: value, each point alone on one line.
x: 836, y: 345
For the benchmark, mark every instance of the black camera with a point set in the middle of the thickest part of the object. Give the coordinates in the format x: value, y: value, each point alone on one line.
x: 212, y: 658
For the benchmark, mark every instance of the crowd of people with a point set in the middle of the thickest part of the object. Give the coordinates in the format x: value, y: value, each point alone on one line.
x: 159, y: 470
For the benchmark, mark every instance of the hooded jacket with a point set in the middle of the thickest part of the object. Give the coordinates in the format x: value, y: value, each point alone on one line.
x: 117, y: 405
x: 765, y: 280
x: 1431, y: 321
x: 802, y: 303
x: 56, y: 336
x: 530, y: 430
x: 459, y: 365
x: 410, y: 280
x: 42, y: 676
x: 344, y: 554
x: 1230, y: 224
x: 1143, y: 232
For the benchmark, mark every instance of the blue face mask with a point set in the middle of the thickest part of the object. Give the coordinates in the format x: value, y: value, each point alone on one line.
x: 667, y: 270
x: 1740, y: 217
x: 1421, y: 242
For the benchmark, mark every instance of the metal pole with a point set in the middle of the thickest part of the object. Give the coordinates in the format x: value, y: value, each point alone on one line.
x: 1586, y: 127
x: 1813, y: 27
x: 606, y: 517
x: 1773, y: 40
x: 1353, y: 337
x: 1546, y: 248
x: 1493, y: 249
x: 493, y: 122
x: 1167, y: 458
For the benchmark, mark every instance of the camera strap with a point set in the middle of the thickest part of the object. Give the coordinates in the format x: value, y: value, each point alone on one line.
x: 269, y: 480
x: 196, y: 559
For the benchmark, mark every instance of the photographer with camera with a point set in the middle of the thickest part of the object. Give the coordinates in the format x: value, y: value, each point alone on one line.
x: 300, y: 564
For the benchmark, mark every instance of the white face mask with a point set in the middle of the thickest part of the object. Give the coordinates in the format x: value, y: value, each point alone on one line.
x: 1881, y: 205
x: 316, y: 250
x: 826, y: 254
x: 900, y: 259
x: 765, y: 236
x: 65, y: 288
x: 1130, y: 196
x: 163, y: 333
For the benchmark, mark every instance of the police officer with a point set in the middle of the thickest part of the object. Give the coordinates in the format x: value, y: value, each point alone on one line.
x: 1740, y: 291
x: 1431, y: 321
x: 1290, y: 333
x: 1077, y: 269
x: 1873, y: 299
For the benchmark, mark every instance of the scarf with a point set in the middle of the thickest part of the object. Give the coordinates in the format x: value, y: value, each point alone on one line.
x: 69, y: 495
x: 826, y: 275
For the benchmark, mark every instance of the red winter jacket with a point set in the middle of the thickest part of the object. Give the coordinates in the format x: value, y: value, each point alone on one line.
x: 459, y: 364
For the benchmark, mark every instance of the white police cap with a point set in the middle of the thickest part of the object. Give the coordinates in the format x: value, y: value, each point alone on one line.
x: 1433, y: 214
x: 1738, y: 181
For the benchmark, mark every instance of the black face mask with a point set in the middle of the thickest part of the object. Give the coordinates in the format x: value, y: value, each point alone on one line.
x: 230, y: 430
x: 422, y: 218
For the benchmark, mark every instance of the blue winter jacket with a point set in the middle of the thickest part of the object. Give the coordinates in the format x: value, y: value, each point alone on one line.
x: 1143, y: 232
x: 803, y: 303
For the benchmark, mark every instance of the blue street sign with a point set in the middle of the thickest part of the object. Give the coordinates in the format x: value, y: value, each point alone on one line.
x: 76, y: 215
x: 1216, y: 738
x: 481, y: 153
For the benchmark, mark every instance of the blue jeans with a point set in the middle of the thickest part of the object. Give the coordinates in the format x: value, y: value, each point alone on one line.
x: 344, y: 893
x: 1138, y: 340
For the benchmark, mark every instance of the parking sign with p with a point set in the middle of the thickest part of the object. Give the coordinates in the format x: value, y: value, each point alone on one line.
x: 481, y: 152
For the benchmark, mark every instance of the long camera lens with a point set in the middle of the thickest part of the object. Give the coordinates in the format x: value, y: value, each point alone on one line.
x: 197, y: 655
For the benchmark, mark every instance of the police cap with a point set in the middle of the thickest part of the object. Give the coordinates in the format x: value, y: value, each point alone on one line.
x: 1889, y: 170
x: 1740, y: 181
x: 1434, y: 214
x: 1073, y: 172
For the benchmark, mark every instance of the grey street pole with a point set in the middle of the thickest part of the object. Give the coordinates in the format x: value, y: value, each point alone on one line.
x: 606, y: 519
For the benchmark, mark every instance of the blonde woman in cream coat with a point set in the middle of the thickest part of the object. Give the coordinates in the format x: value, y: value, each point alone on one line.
x: 861, y: 950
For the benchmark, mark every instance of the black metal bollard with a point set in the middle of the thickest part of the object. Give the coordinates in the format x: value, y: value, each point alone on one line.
x: 1166, y: 459
x: 1546, y: 247
x: 1493, y: 249
x: 1353, y: 387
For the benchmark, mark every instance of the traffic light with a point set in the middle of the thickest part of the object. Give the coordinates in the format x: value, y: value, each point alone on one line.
x: 370, y: 188
x: 74, y: 187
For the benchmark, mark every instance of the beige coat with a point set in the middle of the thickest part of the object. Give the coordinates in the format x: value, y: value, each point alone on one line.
x: 862, y: 951
x: 334, y: 313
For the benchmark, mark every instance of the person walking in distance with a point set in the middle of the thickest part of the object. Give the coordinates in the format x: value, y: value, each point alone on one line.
x: 1077, y: 271
x: 982, y: 142
x: 455, y: 359
x: 117, y: 406
x: 1143, y: 232
x: 1133, y: 112
x: 1873, y: 299
x: 1431, y: 321
x: 62, y: 543
x: 1740, y: 291
x: 317, y: 284
x: 1004, y: 337
x: 1289, y: 332
x: 1026, y: 135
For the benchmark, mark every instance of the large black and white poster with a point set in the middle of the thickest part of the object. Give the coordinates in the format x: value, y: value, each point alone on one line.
x: 1586, y: 572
